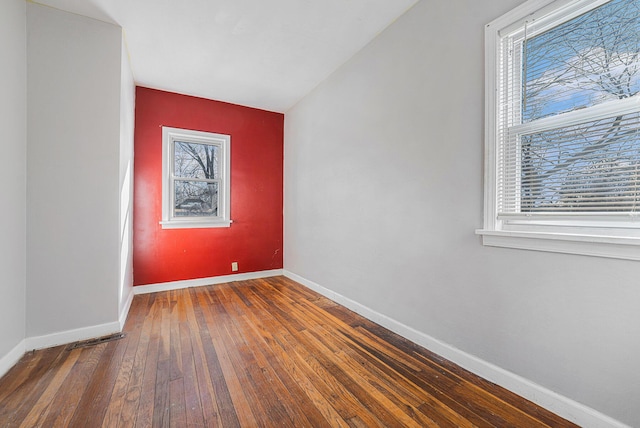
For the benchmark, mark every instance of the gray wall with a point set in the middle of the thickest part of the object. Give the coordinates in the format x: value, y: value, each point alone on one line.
x: 383, y: 192
x: 73, y: 192
x: 67, y: 111
x: 13, y: 167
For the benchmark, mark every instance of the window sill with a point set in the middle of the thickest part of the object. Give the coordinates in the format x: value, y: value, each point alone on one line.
x: 192, y: 224
x: 617, y: 247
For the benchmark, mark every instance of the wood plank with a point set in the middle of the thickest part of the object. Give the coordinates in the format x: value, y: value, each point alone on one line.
x: 15, y: 407
x: 266, y: 352
x: 193, y: 406
x: 405, y: 412
x: 24, y: 369
x: 201, y: 394
x: 117, y: 399
x: 73, y: 388
x: 129, y: 411
x: 163, y: 370
x: 339, y: 383
x: 468, y: 395
x: 177, y: 406
x: 261, y: 398
x: 299, y: 363
x: 145, y: 391
x: 261, y: 341
x: 214, y: 361
x: 503, y: 398
x: 40, y: 409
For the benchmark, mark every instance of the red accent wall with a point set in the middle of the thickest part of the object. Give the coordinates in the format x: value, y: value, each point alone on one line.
x: 254, y: 239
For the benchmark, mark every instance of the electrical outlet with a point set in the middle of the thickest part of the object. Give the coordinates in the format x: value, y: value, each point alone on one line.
x: 234, y: 266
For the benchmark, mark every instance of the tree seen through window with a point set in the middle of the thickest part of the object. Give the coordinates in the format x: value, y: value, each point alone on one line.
x: 197, y: 175
x: 587, y: 61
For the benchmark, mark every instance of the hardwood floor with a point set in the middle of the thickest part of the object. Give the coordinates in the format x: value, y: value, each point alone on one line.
x: 253, y: 353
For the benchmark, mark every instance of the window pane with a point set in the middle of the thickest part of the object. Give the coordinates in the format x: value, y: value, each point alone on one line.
x: 195, y: 199
x: 591, y: 167
x: 192, y: 160
x: 585, y: 61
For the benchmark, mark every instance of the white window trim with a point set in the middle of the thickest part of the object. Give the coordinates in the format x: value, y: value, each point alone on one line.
x: 169, y: 137
x: 617, y: 238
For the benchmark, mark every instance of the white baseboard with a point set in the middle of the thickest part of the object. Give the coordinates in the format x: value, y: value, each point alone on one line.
x: 62, y: 338
x: 125, y: 310
x: 70, y: 336
x: 12, y: 357
x: 554, y: 402
x: 199, y: 282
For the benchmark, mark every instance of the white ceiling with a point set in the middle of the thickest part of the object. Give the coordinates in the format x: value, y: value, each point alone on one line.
x: 261, y: 53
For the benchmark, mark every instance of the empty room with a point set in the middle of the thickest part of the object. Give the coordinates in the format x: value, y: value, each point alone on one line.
x: 334, y: 213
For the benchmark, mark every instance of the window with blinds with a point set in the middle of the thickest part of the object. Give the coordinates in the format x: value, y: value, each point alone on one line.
x: 562, y: 134
x: 569, y: 123
x: 195, y: 179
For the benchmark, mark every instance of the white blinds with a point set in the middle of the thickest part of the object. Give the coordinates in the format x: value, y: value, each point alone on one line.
x: 569, y: 127
x: 593, y: 166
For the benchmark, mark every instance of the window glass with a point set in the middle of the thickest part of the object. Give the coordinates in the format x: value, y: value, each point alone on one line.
x: 194, y: 160
x: 588, y: 167
x: 195, y: 199
x: 585, y: 61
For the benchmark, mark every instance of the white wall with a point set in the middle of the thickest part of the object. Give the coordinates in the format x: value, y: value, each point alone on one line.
x: 73, y: 192
x: 13, y: 167
x: 383, y: 193
x: 127, y: 119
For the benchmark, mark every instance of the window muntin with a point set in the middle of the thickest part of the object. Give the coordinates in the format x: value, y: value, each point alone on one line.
x: 563, y: 128
x: 196, y: 179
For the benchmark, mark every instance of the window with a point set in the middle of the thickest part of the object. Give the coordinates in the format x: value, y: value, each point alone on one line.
x: 196, y: 179
x: 562, y: 143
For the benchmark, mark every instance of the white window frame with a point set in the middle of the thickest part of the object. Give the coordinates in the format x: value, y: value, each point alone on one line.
x: 223, y: 142
x: 610, y: 236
